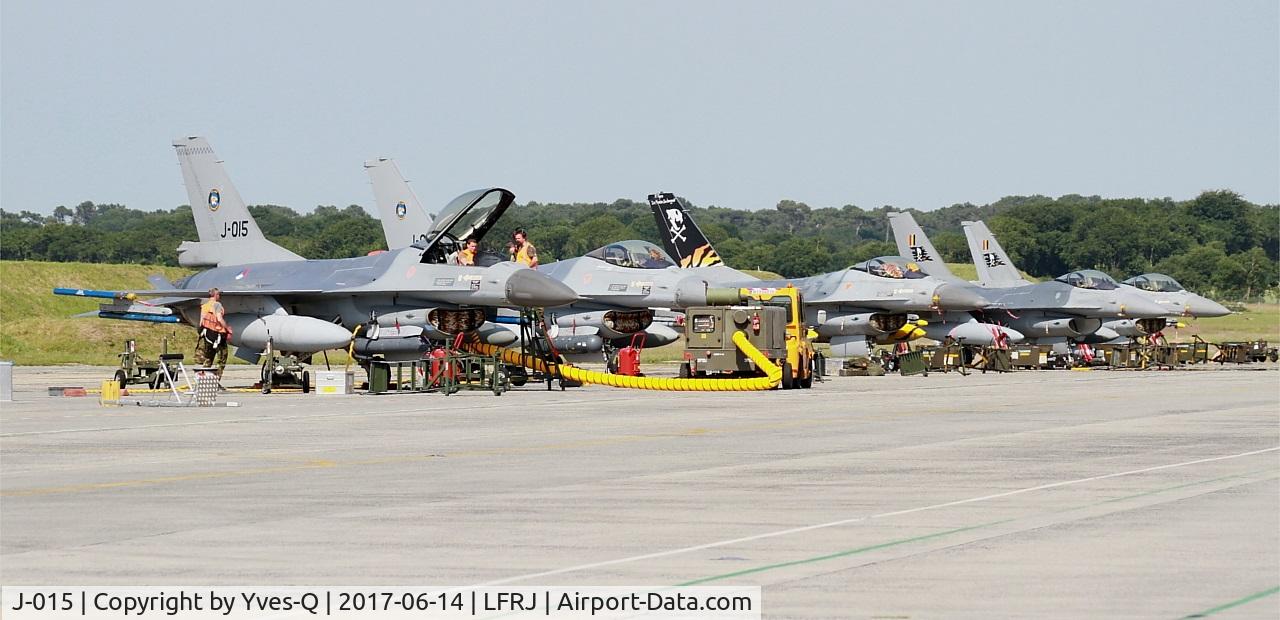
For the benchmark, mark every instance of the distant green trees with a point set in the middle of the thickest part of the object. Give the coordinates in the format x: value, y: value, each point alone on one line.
x: 111, y: 233
x: 1217, y: 243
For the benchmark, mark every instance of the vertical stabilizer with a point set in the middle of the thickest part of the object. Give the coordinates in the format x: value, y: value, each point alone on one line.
x: 404, y: 221
x: 915, y: 245
x: 992, y: 262
x: 228, y: 233
x: 680, y: 235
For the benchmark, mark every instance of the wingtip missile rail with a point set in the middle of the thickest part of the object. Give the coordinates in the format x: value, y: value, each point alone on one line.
x: 84, y: 292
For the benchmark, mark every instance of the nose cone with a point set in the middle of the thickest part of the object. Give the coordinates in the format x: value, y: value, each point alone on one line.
x: 1201, y: 306
x: 957, y: 297
x: 1139, y: 307
x: 528, y: 288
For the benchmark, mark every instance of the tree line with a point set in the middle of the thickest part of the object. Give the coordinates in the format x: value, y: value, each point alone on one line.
x: 1217, y: 243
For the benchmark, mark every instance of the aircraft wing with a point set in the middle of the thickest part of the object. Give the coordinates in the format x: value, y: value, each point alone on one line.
x: 178, y: 293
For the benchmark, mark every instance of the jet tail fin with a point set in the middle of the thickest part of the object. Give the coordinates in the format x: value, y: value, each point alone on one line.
x: 992, y: 262
x: 680, y: 235
x: 915, y: 245
x: 404, y: 221
x: 228, y: 233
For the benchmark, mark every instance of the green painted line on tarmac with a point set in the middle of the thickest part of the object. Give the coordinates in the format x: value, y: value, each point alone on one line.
x: 904, y: 541
x: 840, y: 554
x: 1180, y: 486
x: 1236, y: 603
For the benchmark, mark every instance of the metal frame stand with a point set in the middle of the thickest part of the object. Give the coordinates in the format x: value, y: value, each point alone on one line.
x: 536, y: 344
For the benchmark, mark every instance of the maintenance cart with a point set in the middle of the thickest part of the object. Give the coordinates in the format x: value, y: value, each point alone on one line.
x: 284, y: 370
x: 1260, y: 352
x: 447, y: 372
x: 135, y: 369
x: 771, y: 319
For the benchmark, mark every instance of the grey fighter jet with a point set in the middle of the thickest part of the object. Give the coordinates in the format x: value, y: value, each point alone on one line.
x: 592, y: 325
x: 1050, y: 312
x: 305, y: 306
x: 1178, y: 303
x: 868, y: 303
x: 1167, y: 292
x: 1140, y: 313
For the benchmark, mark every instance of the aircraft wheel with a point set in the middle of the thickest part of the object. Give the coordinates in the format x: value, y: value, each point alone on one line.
x: 121, y: 378
x: 517, y: 375
x: 266, y: 378
x: 788, y: 380
x: 306, y: 382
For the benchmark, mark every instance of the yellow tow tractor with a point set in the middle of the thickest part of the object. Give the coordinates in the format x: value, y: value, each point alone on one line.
x: 771, y: 318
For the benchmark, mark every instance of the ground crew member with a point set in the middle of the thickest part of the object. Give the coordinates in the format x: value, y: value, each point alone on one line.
x: 522, y: 251
x: 467, y: 256
x: 213, y: 334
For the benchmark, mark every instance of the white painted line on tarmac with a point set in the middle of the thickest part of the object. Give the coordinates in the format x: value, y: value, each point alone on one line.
x: 269, y: 418
x: 809, y: 528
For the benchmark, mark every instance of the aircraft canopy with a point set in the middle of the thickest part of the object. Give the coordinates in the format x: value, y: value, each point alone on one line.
x: 894, y: 267
x: 1091, y: 279
x: 634, y: 253
x: 1155, y: 283
x: 469, y: 215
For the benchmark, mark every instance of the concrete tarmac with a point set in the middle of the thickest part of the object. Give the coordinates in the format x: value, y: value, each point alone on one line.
x: 1033, y: 494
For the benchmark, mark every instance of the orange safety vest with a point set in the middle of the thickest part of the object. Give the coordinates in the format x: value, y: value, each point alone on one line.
x: 522, y: 255
x: 210, y: 315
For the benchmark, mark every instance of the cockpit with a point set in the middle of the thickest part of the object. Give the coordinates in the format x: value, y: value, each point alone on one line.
x: 1155, y: 283
x: 469, y: 215
x: 894, y: 267
x: 635, y: 254
x: 1091, y: 279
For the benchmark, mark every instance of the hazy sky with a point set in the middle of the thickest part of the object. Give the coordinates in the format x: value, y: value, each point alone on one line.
x: 732, y: 103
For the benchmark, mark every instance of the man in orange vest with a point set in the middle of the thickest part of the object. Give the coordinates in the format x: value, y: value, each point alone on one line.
x: 522, y: 251
x: 214, y: 333
x: 467, y: 255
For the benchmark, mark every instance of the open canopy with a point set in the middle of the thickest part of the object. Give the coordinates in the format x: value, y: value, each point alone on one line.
x: 1091, y: 279
x: 1155, y: 283
x: 894, y: 267
x: 469, y: 215
x: 634, y: 253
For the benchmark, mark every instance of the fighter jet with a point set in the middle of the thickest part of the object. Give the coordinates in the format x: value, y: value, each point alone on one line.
x: 869, y: 303
x: 615, y: 305
x: 1178, y: 303
x: 1069, y: 308
x: 1139, y: 312
x: 1167, y: 292
x: 272, y: 295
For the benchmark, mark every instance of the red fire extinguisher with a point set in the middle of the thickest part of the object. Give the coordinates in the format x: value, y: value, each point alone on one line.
x: 439, y: 367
